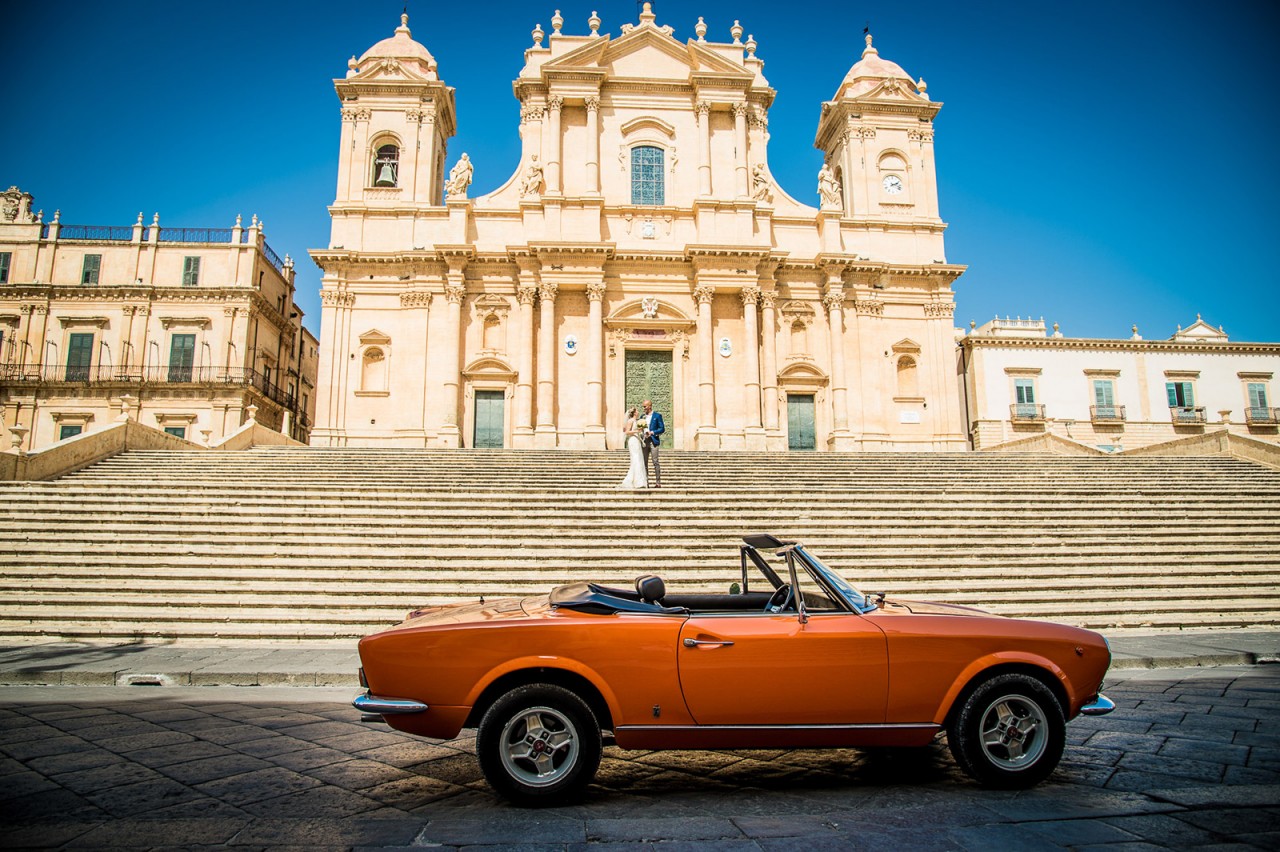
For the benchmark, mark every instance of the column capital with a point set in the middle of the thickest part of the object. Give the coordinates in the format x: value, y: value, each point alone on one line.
x: 739, y: 110
x: 768, y: 298
x: 526, y: 293
x: 702, y: 108
x: 547, y: 291
x: 833, y: 300
x: 454, y: 292
x: 703, y: 294
x: 592, y: 103
x: 555, y: 103
x: 415, y: 299
x: 750, y: 296
x: 595, y: 291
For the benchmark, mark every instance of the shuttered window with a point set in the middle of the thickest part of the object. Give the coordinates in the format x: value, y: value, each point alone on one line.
x: 91, y: 269
x: 190, y: 271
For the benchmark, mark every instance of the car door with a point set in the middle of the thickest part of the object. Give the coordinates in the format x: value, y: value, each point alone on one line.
x: 774, y: 669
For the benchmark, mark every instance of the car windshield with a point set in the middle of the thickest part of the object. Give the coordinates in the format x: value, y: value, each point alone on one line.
x: 855, y: 598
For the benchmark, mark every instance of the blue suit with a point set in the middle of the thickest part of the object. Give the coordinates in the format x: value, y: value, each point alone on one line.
x: 653, y: 440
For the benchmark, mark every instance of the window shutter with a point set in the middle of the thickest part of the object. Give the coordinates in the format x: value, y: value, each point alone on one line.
x: 1103, y: 394
x: 1171, y: 389
x: 1188, y: 398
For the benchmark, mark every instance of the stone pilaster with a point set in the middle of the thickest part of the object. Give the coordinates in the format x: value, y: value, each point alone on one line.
x: 708, y: 436
x: 545, y: 433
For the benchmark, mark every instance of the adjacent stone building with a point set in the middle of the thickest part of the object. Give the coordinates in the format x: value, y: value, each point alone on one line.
x: 182, y: 328
x: 639, y: 249
x: 1021, y: 380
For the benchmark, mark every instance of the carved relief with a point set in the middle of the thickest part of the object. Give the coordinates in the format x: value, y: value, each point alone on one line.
x: 939, y: 309
x: 870, y: 308
x: 415, y: 299
x: 16, y: 206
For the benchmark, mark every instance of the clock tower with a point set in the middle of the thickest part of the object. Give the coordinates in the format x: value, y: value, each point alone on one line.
x: 876, y: 135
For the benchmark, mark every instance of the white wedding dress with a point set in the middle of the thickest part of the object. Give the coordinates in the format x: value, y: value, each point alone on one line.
x: 637, y: 477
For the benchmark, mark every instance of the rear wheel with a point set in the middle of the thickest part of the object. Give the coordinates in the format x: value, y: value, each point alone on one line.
x: 539, y: 745
x: 1009, y: 732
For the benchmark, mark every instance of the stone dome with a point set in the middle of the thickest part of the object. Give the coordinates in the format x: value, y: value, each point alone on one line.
x: 869, y: 72
x: 402, y: 48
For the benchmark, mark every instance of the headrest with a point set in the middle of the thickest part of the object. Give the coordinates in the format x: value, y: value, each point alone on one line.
x: 651, y: 588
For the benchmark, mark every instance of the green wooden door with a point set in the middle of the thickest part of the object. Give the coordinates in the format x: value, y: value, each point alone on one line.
x: 801, y: 434
x: 182, y: 357
x: 79, y: 357
x: 649, y: 377
x: 489, y: 419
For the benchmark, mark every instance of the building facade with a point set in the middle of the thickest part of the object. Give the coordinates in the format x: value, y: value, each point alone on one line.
x: 639, y: 250
x: 184, y: 327
x: 1020, y: 380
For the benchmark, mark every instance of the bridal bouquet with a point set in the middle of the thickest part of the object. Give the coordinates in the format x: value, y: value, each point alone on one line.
x: 642, y: 425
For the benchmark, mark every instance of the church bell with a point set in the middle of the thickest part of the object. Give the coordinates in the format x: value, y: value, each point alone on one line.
x: 386, y: 176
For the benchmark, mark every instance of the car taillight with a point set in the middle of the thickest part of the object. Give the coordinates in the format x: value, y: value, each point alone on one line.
x: 363, y: 681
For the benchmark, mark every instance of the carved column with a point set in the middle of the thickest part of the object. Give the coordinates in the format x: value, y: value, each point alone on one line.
x: 526, y: 293
x: 751, y: 351
x: 454, y: 291
x: 770, y: 379
x: 545, y: 433
x: 422, y: 299
x: 595, y: 365
x: 740, y: 146
x: 707, y: 436
x: 703, y: 110
x: 593, y: 146
x: 553, y: 143
x: 834, y: 303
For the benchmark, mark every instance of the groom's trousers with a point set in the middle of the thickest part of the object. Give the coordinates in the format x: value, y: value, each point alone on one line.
x: 651, y: 453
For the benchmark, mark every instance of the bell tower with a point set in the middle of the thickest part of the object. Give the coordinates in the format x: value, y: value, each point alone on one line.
x: 877, y: 136
x: 397, y: 118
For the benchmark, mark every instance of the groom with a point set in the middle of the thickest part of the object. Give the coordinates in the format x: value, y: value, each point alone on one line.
x: 652, y: 441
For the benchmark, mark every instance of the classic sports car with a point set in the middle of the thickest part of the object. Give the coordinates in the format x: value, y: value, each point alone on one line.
x: 807, y: 661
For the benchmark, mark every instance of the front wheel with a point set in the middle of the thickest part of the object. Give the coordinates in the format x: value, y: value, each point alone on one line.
x: 539, y: 745
x: 1009, y: 732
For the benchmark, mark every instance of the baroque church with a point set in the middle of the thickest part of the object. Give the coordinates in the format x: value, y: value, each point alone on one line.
x: 639, y: 250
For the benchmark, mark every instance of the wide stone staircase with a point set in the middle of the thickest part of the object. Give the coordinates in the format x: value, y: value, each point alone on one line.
x: 289, y: 543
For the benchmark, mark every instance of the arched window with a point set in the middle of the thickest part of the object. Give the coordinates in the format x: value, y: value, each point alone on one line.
x: 373, y: 373
x: 647, y: 185
x: 908, y: 383
x: 386, y: 166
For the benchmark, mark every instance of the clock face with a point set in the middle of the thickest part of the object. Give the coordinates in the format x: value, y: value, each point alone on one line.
x: 893, y: 184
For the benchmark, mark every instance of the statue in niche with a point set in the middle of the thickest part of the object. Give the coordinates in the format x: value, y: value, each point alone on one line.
x: 459, y: 178
x: 531, y: 183
x: 828, y: 188
x: 760, y: 189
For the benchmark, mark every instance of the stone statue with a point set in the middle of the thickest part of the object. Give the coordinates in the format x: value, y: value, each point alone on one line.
x: 459, y: 178
x: 760, y: 189
x: 531, y: 183
x: 829, y: 188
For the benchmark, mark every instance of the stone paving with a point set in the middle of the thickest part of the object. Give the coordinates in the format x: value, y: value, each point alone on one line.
x: 1190, y: 759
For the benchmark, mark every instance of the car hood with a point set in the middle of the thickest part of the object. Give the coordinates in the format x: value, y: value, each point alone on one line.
x: 931, y: 608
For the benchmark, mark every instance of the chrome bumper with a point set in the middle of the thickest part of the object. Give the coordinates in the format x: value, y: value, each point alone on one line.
x: 369, y: 703
x: 1099, y: 706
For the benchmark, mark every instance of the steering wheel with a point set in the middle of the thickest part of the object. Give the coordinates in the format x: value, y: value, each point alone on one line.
x: 780, y: 599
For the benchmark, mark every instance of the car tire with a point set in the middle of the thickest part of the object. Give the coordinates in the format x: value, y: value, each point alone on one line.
x: 1009, y: 732
x: 539, y: 745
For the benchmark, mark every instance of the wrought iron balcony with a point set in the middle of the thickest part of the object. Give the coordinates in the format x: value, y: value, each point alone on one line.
x: 1188, y: 415
x: 1262, y: 416
x: 101, y: 374
x: 1106, y: 413
x: 1026, y: 412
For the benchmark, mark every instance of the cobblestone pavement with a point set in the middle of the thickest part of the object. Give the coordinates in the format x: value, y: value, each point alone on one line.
x: 1190, y: 759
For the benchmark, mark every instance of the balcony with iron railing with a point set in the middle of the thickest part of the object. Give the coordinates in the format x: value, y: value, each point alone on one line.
x: 1262, y: 416
x: 104, y: 374
x: 1026, y: 412
x: 1188, y: 415
x: 1107, y: 413
x: 154, y: 233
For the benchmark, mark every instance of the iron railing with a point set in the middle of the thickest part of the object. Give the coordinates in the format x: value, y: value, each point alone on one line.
x: 101, y: 233
x: 1262, y: 416
x: 1188, y: 415
x: 1106, y: 413
x: 1026, y: 411
x: 273, y: 258
x: 107, y: 374
x: 193, y: 235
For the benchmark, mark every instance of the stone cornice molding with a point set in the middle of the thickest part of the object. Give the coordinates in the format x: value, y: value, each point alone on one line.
x: 974, y: 341
x: 170, y: 322
x: 97, y: 322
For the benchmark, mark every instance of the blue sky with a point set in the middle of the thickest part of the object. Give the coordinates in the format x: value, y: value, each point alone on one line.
x: 1100, y: 164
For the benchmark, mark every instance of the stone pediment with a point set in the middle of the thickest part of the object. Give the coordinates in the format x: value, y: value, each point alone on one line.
x: 893, y: 89
x: 388, y: 70
x: 646, y: 51
x: 373, y: 337
x: 1199, y: 332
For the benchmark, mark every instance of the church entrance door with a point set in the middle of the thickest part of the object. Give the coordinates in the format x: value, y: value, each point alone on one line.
x: 800, y: 422
x: 489, y: 419
x: 649, y: 376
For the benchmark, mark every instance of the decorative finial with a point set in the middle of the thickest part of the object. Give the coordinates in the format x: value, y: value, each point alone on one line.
x: 922, y: 85
x: 594, y: 23
x: 868, y: 50
x: 646, y: 14
x: 1197, y: 318
x: 140, y: 217
x: 1056, y: 332
x: 538, y: 35
x: 155, y: 221
x: 751, y: 46
x: 238, y: 219
x: 57, y: 216
x: 1136, y: 336
x: 253, y: 223
x: 700, y: 29
x: 404, y: 24
x: 736, y: 32
x: 556, y: 23
x: 353, y: 67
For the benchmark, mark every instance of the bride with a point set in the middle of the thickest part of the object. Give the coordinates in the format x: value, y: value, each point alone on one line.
x: 637, y: 476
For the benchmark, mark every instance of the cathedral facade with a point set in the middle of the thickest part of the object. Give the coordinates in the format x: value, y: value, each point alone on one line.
x: 639, y: 250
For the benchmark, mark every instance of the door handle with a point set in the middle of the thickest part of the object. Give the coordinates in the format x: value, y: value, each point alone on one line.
x: 712, y: 643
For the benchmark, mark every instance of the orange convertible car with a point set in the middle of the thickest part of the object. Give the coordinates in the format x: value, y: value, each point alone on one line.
x: 804, y: 661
